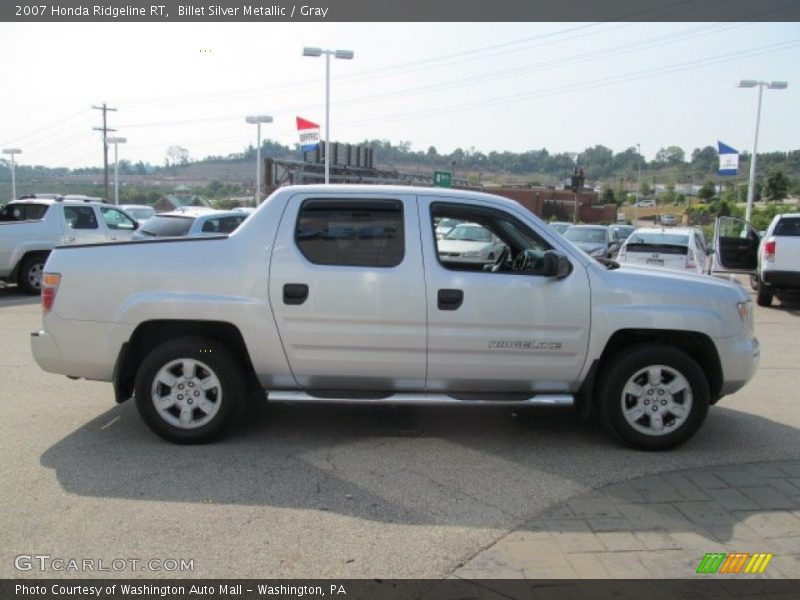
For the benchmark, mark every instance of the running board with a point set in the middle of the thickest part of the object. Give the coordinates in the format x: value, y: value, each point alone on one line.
x: 427, y: 399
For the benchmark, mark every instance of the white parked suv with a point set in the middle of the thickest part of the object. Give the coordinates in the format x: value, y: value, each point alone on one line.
x: 31, y: 227
x: 341, y: 294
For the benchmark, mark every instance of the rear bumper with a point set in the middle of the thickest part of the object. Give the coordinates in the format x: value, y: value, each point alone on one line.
x: 788, y: 280
x: 739, y: 359
x: 46, y: 352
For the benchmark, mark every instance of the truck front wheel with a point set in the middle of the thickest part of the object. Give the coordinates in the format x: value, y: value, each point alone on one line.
x: 653, y: 397
x: 189, y: 390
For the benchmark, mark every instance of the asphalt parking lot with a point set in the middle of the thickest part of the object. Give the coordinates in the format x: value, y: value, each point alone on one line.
x: 305, y: 491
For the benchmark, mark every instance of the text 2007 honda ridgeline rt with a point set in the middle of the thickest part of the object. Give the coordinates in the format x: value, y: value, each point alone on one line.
x: 340, y: 294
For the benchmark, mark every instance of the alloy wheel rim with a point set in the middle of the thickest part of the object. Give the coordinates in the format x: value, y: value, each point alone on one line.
x: 35, y: 275
x: 186, y: 393
x: 656, y: 400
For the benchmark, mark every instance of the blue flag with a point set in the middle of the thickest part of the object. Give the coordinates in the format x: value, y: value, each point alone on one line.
x: 728, y: 159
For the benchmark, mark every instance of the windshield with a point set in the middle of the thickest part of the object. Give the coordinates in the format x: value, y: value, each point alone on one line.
x: 161, y: 226
x: 580, y: 234
x: 469, y: 233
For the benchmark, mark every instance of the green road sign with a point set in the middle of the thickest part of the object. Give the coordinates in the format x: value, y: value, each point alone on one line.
x: 442, y: 179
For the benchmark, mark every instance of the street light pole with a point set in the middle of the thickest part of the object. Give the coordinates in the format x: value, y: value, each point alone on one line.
x: 343, y: 54
x: 116, y: 141
x: 12, y: 152
x: 638, y: 185
x: 258, y: 120
x: 751, y: 184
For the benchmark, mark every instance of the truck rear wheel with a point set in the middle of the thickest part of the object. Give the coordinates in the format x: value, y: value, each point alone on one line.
x: 764, y: 295
x: 653, y: 397
x: 29, y: 277
x: 190, y: 390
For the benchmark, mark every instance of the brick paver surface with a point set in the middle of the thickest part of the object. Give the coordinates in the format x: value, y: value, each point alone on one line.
x: 658, y: 526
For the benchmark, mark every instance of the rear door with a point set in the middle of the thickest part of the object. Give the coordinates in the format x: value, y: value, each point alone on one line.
x: 735, y: 246
x: 348, y: 293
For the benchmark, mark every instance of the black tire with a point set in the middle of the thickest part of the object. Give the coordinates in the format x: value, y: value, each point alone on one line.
x: 627, y: 364
x: 29, y: 277
x: 764, y: 295
x: 754, y: 281
x: 211, y: 359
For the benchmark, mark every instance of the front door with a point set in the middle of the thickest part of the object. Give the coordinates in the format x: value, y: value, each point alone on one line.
x: 500, y: 327
x: 347, y: 292
x: 735, y: 246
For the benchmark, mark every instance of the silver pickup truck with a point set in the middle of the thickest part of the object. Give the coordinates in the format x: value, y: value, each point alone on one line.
x: 340, y: 294
x: 31, y: 227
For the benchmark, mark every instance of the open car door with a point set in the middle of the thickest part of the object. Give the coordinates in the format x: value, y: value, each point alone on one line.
x: 735, y: 246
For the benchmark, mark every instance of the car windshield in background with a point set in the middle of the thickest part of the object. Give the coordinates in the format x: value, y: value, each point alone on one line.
x: 161, y: 226
x: 788, y: 227
x: 23, y: 212
x: 469, y: 233
x: 580, y: 234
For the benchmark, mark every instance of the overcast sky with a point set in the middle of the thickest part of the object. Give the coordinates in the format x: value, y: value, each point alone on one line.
x: 487, y: 86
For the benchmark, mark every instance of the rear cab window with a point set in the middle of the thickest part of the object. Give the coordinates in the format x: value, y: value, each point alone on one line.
x: 355, y: 233
x: 23, y: 211
x: 789, y: 227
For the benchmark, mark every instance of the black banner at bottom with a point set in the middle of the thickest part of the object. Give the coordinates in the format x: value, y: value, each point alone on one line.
x: 390, y: 589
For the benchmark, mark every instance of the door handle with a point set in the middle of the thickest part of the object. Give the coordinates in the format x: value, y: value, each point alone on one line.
x: 295, y: 293
x: 450, y: 299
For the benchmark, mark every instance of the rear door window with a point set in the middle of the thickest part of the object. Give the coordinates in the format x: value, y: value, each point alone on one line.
x: 357, y: 233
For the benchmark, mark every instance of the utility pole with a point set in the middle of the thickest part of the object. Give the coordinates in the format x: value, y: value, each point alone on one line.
x: 105, y: 129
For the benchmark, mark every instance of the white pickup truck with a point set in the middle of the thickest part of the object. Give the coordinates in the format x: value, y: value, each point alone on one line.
x: 339, y: 294
x: 771, y: 260
x: 30, y: 228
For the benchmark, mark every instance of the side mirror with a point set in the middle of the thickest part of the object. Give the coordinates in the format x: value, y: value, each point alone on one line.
x: 555, y: 265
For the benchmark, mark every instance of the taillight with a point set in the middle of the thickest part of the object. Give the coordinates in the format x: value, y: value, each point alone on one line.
x: 50, y: 283
x: 690, y: 264
x: 769, y: 250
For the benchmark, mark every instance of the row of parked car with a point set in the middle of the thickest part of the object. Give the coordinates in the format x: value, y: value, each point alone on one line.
x: 33, y: 225
x: 770, y: 257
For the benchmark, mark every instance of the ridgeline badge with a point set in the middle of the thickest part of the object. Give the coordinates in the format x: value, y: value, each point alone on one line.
x: 523, y: 345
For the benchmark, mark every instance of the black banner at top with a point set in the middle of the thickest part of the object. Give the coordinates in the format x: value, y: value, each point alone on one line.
x: 256, y: 11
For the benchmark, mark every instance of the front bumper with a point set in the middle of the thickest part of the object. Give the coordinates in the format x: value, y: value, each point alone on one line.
x: 739, y: 358
x: 46, y: 352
